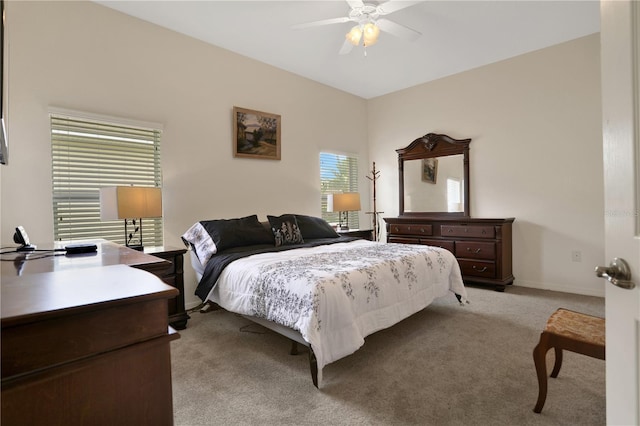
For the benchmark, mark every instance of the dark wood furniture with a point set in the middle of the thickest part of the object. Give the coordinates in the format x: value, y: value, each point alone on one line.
x: 85, y: 342
x: 366, y: 234
x: 174, y: 276
x: 571, y: 331
x: 483, y: 246
x: 164, y: 262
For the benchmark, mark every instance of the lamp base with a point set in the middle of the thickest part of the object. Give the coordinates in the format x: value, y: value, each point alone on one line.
x: 344, y: 227
x: 136, y: 247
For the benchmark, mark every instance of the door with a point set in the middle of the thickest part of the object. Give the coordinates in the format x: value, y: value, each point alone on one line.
x: 621, y: 148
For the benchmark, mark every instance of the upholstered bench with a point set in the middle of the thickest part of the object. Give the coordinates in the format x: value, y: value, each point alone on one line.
x: 570, y: 330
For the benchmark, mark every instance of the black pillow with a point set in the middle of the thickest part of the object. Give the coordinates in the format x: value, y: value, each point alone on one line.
x: 244, y: 231
x: 315, y: 227
x: 285, y: 230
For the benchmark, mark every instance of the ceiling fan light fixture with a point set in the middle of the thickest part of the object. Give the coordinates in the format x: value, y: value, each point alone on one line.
x: 354, y: 35
x: 370, y: 33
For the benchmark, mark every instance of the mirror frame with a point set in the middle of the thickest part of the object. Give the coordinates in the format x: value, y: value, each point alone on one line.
x: 434, y: 145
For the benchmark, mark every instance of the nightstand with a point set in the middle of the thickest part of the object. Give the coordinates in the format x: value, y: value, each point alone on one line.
x: 174, y: 276
x: 366, y: 234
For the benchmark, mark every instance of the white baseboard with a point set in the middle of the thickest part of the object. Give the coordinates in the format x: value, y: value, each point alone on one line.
x: 587, y: 291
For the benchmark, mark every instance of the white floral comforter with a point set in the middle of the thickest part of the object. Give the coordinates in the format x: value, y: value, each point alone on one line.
x: 338, y: 294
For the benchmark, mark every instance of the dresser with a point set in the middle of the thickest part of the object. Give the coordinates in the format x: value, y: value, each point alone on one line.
x: 85, y: 343
x: 482, y: 246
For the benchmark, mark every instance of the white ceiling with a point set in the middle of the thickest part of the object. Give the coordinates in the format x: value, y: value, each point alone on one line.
x: 456, y: 36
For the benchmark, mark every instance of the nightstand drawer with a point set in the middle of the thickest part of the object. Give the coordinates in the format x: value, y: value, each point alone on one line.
x: 476, y: 250
x: 403, y: 240
x: 477, y: 268
x: 411, y: 229
x: 445, y: 244
x: 171, y: 269
x: 468, y: 231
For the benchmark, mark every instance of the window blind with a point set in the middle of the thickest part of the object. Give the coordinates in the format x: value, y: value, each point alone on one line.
x: 88, y: 154
x: 338, y: 173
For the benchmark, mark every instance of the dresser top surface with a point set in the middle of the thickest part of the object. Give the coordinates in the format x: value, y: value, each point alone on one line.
x: 45, y: 295
x: 445, y: 219
x: 108, y: 253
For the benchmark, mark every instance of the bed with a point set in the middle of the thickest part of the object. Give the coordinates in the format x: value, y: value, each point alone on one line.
x: 295, y: 275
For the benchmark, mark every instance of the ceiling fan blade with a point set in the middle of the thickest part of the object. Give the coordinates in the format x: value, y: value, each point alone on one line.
x: 322, y: 22
x: 355, y: 3
x: 391, y: 6
x: 346, y: 47
x: 397, y: 30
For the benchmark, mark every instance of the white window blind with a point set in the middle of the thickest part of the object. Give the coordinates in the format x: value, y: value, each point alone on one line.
x: 338, y: 173
x: 88, y: 154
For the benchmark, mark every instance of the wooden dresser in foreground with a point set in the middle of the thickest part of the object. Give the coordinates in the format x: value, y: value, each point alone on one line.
x: 86, y: 345
x: 482, y: 246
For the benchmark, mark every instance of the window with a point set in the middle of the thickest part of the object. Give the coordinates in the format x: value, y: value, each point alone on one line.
x: 89, y: 153
x: 454, y: 198
x: 338, y: 173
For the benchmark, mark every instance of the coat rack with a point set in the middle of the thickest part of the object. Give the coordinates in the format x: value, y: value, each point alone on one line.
x: 376, y: 223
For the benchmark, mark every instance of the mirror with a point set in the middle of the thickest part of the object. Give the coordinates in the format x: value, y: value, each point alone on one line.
x: 434, y: 176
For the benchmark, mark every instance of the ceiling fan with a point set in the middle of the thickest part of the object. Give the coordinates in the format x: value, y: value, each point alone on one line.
x: 367, y: 16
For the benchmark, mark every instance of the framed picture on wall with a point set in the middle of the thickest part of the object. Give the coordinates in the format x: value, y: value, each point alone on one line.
x: 256, y: 134
x: 429, y: 170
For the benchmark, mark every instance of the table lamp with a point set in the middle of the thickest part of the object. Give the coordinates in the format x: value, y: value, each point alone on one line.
x: 343, y: 202
x: 130, y: 203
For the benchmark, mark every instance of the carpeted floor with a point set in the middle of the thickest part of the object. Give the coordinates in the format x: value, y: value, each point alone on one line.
x: 446, y: 365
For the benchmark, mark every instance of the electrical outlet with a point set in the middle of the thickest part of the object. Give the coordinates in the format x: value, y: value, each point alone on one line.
x: 576, y: 256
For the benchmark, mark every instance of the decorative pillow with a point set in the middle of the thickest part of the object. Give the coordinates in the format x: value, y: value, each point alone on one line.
x: 244, y: 231
x: 198, y: 239
x: 315, y: 227
x: 285, y: 230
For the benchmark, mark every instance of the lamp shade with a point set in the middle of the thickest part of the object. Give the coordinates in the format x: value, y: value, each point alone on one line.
x: 127, y: 202
x: 345, y: 202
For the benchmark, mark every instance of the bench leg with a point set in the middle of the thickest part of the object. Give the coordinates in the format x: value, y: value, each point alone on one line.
x: 558, y: 363
x: 539, y: 358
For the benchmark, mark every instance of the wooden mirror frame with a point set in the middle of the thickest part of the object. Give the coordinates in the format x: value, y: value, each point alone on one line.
x: 434, y: 145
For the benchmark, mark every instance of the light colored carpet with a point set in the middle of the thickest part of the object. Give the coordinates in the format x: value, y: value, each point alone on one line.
x: 446, y: 365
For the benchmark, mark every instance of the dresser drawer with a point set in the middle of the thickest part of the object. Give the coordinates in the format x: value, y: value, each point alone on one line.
x: 476, y: 250
x: 413, y: 229
x: 470, y: 231
x: 477, y: 268
x: 445, y: 244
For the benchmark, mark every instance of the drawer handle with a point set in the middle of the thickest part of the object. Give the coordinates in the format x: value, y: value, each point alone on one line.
x: 484, y: 268
x: 408, y: 228
x: 422, y: 230
x: 475, y: 251
x: 450, y: 230
x: 397, y: 229
x: 466, y: 229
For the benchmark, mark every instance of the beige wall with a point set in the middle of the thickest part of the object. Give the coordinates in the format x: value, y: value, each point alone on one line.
x: 82, y: 56
x: 536, y: 154
x: 535, y: 123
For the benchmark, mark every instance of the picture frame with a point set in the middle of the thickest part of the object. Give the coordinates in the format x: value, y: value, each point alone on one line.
x: 430, y: 170
x: 256, y: 134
